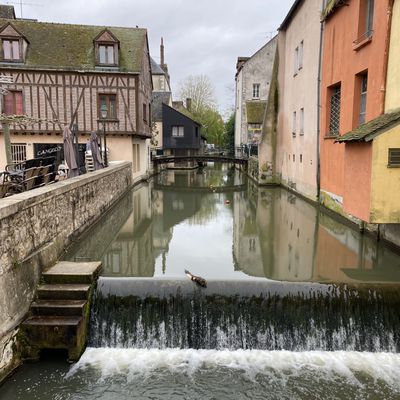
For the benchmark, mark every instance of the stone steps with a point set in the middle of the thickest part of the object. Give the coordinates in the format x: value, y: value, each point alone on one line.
x: 72, y: 272
x: 58, y: 307
x: 63, y: 291
x: 59, y: 316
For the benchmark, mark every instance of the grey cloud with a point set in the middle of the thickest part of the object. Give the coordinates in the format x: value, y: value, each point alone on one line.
x: 201, y: 36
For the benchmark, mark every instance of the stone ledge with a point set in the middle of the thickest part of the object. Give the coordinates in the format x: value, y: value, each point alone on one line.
x: 13, y: 204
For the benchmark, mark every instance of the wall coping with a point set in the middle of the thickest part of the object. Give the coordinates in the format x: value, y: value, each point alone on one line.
x: 13, y: 204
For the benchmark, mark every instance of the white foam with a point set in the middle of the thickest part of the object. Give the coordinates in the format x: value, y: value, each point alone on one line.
x: 136, y: 362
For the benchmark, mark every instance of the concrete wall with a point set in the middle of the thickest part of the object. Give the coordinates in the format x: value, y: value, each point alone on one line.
x: 35, y: 227
x: 297, y: 157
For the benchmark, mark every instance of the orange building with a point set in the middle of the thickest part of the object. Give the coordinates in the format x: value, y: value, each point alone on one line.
x: 354, y: 64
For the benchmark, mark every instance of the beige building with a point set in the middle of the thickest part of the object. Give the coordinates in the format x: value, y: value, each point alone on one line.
x: 297, y: 124
x: 58, y: 78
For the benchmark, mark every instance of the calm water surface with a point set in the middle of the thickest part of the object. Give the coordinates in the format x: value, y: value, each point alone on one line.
x: 216, y: 224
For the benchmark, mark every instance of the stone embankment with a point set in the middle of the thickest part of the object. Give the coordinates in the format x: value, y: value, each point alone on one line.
x: 35, y: 228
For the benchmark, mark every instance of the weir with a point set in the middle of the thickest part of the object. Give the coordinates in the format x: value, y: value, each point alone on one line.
x: 255, y: 314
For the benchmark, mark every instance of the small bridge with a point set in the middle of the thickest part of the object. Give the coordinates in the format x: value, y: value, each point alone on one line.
x: 201, y: 158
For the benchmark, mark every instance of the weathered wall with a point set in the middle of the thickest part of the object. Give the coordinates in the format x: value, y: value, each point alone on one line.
x: 35, y: 227
x: 257, y: 69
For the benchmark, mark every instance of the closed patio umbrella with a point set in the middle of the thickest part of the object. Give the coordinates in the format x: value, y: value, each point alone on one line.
x: 94, y: 147
x: 69, y: 153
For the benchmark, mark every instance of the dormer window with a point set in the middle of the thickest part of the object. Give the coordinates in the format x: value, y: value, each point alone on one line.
x: 13, y: 44
x: 11, y: 50
x: 106, y: 54
x: 107, y: 49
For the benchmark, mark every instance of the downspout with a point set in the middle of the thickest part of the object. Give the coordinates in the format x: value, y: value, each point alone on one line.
x: 386, y: 55
x: 321, y: 34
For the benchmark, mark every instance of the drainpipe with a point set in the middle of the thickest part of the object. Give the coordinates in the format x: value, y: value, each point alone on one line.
x: 321, y: 34
x: 386, y: 55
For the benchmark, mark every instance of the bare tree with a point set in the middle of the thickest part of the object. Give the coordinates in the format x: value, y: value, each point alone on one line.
x: 200, y: 89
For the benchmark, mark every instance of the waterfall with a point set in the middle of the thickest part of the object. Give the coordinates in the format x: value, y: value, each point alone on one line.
x: 258, y: 314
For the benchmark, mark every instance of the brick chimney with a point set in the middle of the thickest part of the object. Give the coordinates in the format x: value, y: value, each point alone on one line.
x: 162, y: 53
x: 189, y: 104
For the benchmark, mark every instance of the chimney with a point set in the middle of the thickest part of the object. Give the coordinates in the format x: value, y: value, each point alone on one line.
x: 162, y: 53
x: 189, y: 104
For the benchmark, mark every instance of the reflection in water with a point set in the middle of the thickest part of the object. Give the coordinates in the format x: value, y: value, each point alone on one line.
x: 215, y: 223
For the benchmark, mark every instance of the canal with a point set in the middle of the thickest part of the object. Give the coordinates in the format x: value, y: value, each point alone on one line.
x: 298, y: 305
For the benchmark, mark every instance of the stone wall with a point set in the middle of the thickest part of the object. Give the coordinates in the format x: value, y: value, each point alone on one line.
x: 35, y: 228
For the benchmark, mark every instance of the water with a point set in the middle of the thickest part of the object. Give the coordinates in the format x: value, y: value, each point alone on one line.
x: 298, y: 305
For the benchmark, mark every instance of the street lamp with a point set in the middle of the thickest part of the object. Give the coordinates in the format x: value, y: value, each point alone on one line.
x: 103, y: 114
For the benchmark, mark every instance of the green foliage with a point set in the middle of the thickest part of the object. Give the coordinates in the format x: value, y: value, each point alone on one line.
x: 230, y: 132
x: 212, y: 125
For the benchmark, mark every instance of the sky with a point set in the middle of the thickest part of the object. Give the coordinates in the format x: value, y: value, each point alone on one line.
x: 200, y: 36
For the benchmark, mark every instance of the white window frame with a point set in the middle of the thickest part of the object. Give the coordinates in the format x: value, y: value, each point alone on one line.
x: 296, y: 60
x: 294, y: 124
x: 301, y: 52
x: 178, y: 131
x: 256, y: 90
x: 301, y: 117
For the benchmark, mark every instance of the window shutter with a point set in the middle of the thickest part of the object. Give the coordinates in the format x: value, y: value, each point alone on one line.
x: 18, y: 103
x: 9, y: 104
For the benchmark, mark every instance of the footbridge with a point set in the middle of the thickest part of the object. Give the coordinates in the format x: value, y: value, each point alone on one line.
x: 201, y: 158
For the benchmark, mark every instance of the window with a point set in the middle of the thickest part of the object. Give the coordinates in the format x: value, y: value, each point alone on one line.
x: 365, y: 22
x: 110, y: 100
x: 256, y: 90
x: 363, y: 98
x: 136, y: 158
x: 334, y: 118
x: 394, y: 158
x: 294, y: 157
x: 162, y: 83
x: 300, y: 64
x: 294, y: 124
x: 13, y: 103
x: 11, y: 50
x: 301, y: 121
x: 150, y: 115
x: 144, y: 112
x: 369, y: 16
x: 301, y: 158
x: 106, y: 54
x: 18, y: 152
x: 178, y: 131
x: 296, y: 61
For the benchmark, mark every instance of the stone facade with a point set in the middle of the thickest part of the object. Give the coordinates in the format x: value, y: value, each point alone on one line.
x: 256, y: 70
x: 35, y: 228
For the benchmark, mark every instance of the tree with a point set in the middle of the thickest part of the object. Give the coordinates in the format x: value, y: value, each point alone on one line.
x: 200, y: 89
x: 230, y: 133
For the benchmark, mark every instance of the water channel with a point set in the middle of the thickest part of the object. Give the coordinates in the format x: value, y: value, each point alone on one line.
x: 298, y: 305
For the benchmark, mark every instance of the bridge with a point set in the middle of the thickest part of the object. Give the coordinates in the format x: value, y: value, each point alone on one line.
x: 201, y: 158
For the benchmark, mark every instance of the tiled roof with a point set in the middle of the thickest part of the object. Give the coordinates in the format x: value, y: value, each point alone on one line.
x: 368, y: 131
x: 155, y: 68
x: 158, y: 98
x: 255, y: 111
x: 71, y: 47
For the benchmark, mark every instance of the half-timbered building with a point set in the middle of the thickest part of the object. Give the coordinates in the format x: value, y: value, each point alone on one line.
x: 64, y: 74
